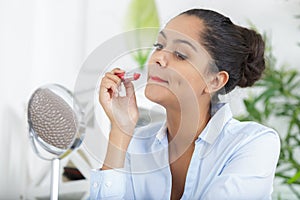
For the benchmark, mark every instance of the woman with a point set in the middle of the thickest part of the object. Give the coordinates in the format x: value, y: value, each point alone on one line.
x: 200, y: 151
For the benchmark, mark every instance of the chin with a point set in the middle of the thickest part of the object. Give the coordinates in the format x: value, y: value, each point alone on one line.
x: 160, y: 95
x: 155, y: 93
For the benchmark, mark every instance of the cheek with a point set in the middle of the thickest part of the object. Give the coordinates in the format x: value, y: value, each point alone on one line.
x: 198, y: 84
x: 188, y: 85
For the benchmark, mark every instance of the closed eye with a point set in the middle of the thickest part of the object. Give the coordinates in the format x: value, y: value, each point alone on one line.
x: 180, y: 56
x: 177, y: 54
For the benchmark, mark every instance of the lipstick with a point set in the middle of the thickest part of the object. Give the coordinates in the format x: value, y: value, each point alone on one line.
x: 128, y: 76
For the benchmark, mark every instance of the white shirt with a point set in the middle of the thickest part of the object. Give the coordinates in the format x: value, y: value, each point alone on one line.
x: 231, y: 160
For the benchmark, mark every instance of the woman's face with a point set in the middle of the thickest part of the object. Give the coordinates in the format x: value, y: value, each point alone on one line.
x: 178, y: 69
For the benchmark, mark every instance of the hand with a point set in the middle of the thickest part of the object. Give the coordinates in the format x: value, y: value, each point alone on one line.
x: 122, y: 111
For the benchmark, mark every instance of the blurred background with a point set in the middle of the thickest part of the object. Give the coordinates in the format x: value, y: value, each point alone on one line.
x: 47, y: 41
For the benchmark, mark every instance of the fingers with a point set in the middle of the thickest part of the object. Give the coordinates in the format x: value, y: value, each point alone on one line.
x: 120, y: 109
x: 108, y: 86
x: 110, y: 83
x: 112, y: 75
x: 129, y: 88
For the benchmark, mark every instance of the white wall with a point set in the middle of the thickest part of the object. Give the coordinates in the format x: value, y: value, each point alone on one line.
x: 276, y: 17
x: 46, y: 41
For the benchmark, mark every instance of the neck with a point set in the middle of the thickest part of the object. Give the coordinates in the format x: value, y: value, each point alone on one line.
x: 185, y: 125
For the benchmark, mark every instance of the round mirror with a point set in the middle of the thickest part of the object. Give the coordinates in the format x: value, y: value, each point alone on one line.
x: 56, y: 122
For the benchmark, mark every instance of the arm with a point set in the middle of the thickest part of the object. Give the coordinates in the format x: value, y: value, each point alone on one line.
x: 123, y: 114
x: 111, y: 180
x: 250, y: 172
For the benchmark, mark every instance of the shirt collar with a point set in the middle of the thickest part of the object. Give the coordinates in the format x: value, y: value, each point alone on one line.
x: 162, y: 132
x: 222, y: 114
x: 216, y: 123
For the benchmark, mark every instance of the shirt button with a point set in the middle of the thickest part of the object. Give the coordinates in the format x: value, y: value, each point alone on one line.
x: 108, y: 184
x: 95, y: 184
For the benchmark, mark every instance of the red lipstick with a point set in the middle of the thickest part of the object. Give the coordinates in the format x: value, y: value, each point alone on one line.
x: 128, y: 76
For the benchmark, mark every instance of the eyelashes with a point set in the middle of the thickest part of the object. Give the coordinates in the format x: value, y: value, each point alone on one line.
x: 158, y: 46
x: 178, y: 55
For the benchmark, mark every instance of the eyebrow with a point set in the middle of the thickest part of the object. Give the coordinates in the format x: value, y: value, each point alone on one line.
x: 163, y: 34
x: 180, y: 41
x: 185, y: 42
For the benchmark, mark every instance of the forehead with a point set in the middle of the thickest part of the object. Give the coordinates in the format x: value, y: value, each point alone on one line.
x: 187, y: 26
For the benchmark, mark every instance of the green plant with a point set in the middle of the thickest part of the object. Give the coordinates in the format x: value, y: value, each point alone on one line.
x: 142, y: 14
x: 276, y: 103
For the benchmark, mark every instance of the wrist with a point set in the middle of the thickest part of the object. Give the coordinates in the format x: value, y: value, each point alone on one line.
x: 116, y: 150
x: 119, y: 138
x: 122, y: 129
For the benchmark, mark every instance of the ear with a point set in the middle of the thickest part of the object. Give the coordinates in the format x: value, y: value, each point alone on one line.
x: 216, y: 82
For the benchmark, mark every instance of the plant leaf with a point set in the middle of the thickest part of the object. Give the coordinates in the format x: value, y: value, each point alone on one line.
x: 141, y: 16
x: 294, y: 178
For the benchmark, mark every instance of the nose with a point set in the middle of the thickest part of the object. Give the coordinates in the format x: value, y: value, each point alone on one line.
x: 161, y: 58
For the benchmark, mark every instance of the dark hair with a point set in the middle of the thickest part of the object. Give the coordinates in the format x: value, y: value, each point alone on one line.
x: 237, y: 50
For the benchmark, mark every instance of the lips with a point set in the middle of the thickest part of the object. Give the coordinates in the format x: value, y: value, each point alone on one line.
x: 157, y: 79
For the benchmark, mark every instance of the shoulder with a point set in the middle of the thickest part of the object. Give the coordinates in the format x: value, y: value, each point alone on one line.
x: 251, y: 145
x: 248, y: 128
x: 249, y: 132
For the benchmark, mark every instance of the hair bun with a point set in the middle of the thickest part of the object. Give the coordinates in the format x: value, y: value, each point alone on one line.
x: 254, y: 63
